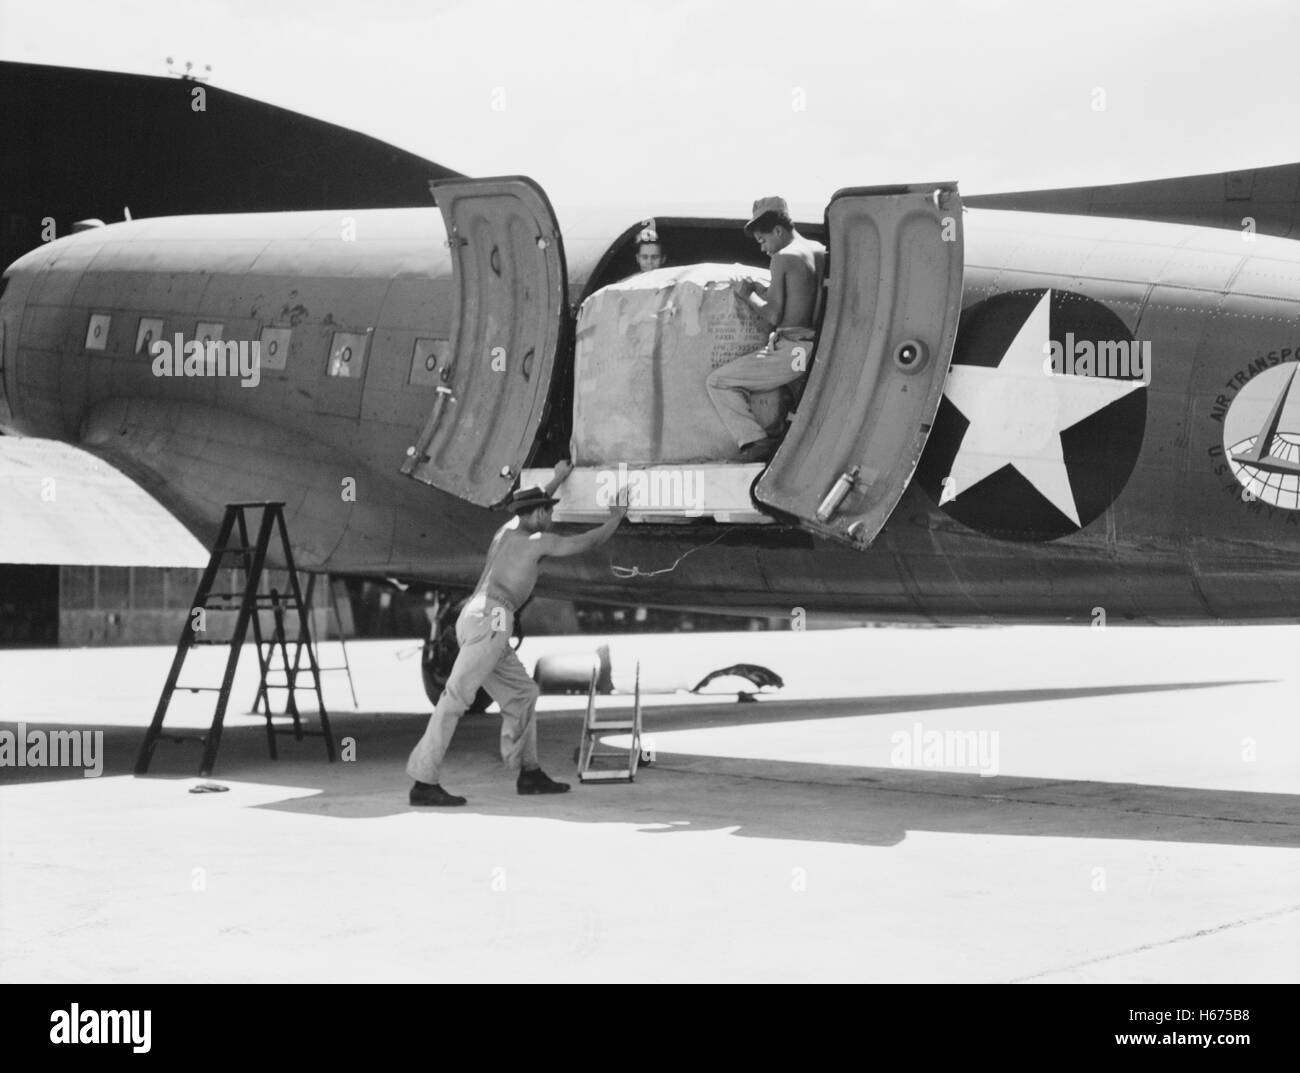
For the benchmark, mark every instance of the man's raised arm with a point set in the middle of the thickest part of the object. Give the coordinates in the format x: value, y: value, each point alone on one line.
x: 562, y: 471
x: 563, y: 546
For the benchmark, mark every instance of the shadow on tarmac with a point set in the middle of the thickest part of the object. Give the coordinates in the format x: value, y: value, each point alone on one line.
x: 680, y: 794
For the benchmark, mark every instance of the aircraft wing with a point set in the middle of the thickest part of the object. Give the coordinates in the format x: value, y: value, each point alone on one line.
x: 64, y: 507
x: 1270, y: 197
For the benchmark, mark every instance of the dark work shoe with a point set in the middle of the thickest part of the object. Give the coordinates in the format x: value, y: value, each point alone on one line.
x: 537, y: 781
x: 759, y: 450
x: 426, y: 793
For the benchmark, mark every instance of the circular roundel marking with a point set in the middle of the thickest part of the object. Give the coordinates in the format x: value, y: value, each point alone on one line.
x: 431, y: 362
x: 273, y: 347
x: 1261, y: 437
x: 1042, y: 416
x: 347, y: 354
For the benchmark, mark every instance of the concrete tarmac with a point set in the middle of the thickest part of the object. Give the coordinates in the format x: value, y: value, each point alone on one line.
x: 1020, y: 804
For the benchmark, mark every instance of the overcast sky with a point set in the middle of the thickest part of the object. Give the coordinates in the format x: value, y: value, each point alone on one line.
x: 631, y: 102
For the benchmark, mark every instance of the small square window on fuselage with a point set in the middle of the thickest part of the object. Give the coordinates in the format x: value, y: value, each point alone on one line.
x: 275, y: 347
x: 97, y: 331
x: 348, y: 355
x: 149, y: 332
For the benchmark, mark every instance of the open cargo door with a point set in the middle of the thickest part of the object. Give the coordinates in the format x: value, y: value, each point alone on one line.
x: 5, y: 413
x: 508, y: 305
x: 882, y: 354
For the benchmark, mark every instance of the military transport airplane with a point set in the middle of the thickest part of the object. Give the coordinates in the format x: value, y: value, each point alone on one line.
x: 1009, y: 415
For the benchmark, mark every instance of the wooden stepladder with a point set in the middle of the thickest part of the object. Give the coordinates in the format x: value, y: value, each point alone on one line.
x: 232, y: 543
x: 598, y: 762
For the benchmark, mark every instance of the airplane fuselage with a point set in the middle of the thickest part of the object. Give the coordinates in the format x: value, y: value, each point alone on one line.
x: 1122, y: 500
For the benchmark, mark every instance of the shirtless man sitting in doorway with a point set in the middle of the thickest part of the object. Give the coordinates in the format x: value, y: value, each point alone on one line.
x: 788, y: 304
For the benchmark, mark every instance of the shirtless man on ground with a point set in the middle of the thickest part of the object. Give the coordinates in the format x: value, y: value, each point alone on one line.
x: 788, y: 304
x: 486, y: 659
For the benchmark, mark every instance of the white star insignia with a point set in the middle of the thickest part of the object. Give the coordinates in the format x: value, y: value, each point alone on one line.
x: 1017, y: 413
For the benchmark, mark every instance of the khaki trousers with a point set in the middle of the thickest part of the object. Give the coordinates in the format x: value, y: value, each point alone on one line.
x: 777, y: 364
x: 486, y: 659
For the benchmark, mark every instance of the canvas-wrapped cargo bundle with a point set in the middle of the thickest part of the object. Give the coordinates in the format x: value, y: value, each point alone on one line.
x: 645, y: 346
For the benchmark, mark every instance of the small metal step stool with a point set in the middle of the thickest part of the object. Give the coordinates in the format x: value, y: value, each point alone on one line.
x: 602, y: 763
x: 251, y: 558
x: 290, y: 669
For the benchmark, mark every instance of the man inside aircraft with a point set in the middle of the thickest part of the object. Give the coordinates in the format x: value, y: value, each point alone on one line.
x: 650, y: 251
x: 788, y: 304
x: 486, y: 658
